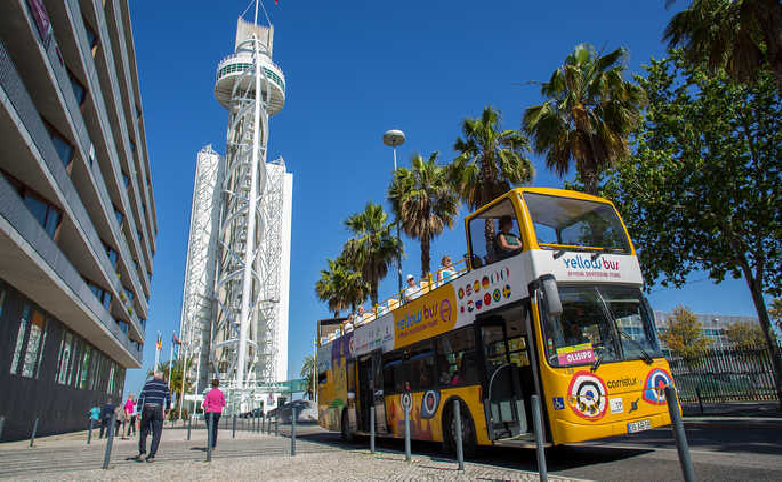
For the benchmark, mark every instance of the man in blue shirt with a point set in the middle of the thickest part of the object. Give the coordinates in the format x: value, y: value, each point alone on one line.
x: 105, y: 417
x: 94, y: 416
x: 154, y: 402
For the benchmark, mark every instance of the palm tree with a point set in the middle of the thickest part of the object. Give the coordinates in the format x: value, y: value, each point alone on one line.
x: 739, y: 36
x: 331, y: 286
x: 176, y: 377
x: 355, y: 289
x: 588, y: 116
x: 423, y: 202
x: 307, y: 372
x: 373, y: 248
x: 490, y: 160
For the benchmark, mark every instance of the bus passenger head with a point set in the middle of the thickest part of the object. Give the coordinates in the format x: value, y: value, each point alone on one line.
x: 506, y: 222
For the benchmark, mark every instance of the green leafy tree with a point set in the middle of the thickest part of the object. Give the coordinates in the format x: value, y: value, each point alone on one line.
x: 589, y: 113
x: 490, y: 161
x: 703, y: 190
x: 423, y: 202
x: 685, y: 334
x: 746, y: 336
x: 373, y: 247
x: 307, y: 371
x: 740, y: 36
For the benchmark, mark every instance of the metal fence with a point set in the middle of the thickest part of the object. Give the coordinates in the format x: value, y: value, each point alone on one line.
x: 725, y: 375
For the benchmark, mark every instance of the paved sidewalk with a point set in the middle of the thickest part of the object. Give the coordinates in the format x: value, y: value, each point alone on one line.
x: 249, y: 456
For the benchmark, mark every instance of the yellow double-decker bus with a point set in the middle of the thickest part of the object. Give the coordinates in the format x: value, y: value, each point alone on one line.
x: 551, y: 305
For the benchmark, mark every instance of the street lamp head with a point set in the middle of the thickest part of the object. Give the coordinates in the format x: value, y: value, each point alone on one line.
x: 394, y: 138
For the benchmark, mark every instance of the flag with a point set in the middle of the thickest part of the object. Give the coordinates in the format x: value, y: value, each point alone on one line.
x: 159, y: 343
x: 174, y: 339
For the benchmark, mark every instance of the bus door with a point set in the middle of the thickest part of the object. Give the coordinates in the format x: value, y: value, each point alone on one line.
x: 503, y: 402
x: 376, y: 382
x: 365, y: 392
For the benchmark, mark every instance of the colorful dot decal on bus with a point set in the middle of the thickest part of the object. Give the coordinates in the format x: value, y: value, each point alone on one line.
x: 656, y: 381
x: 485, y: 282
x: 476, y: 286
x: 478, y: 304
x: 587, y: 396
x: 468, y: 290
x: 506, y: 291
x: 461, y: 308
x: 461, y: 293
x: 487, y: 299
x: 470, y: 306
x: 429, y: 402
x: 497, y: 295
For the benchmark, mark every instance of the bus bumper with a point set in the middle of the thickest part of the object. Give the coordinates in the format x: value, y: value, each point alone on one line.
x: 568, y: 432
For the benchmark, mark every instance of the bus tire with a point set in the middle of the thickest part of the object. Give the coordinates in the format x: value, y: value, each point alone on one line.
x: 469, y: 441
x: 344, y: 427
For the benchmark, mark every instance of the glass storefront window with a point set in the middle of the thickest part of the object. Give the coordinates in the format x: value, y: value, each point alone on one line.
x: 35, y: 345
x: 65, y: 358
x: 20, y: 340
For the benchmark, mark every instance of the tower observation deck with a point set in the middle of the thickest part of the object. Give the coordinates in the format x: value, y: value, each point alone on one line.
x: 247, y: 337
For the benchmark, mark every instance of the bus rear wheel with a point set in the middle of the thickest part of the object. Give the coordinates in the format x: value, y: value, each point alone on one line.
x: 469, y: 442
x: 345, y: 432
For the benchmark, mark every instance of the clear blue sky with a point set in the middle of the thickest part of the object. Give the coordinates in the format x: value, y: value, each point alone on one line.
x: 355, y: 68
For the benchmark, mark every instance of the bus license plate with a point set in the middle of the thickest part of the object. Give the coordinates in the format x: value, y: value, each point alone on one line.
x: 639, y: 426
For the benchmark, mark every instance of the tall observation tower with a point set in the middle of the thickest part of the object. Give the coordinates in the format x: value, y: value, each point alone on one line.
x: 246, y: 338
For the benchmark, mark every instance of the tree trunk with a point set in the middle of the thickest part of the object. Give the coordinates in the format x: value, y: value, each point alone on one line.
x: 773, y: 35
x: 590, y: 182
x: 488, y: 196
x: 424, y: 256
x: 765, y: 325
x: 373, y: 292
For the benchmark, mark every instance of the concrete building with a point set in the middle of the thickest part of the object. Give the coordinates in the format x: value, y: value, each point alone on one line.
x: 714, y: 326
x: 237, y: 329
x: 77, y: 214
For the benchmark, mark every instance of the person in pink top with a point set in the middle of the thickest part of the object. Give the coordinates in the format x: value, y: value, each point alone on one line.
x: 213, y: 407
x: 130, y: 414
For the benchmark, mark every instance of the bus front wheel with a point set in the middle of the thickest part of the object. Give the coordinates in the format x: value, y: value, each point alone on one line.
x: 469, y: 442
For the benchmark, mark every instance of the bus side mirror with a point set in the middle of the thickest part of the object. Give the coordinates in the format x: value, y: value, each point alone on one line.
x: 553, y: 303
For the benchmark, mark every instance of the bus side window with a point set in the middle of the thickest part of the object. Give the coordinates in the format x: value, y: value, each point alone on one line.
x: 422, y: 367
x: 457, y: 360
x: 393, y: 375
x: 322, y: 377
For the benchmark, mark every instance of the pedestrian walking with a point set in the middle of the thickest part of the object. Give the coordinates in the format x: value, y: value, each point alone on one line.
x: 213, y: 406
x: 119, y: 419
x: 130, y: 414
x: 105, y: 417
x: 154, y: 402
x: 94, y: 414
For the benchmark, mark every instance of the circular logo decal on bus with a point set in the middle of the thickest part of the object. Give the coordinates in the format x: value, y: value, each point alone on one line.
x: 506, y: 291
x: 496, y: 295
x: 476, y: 286
x: 407, y: 401
x: 429, y: 402
x: 461, y: 293
x: 486, y: 282
x: 487, y: 299
x: 656, y: 381
x: 587, y: 396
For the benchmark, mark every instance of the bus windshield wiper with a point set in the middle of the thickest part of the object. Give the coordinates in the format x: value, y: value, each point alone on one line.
x: 644, y: 355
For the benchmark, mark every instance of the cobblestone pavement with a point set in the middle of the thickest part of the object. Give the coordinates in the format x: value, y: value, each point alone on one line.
x: 250, y: 456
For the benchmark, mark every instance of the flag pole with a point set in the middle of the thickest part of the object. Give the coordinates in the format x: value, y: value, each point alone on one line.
x: 170, y: 362
x: 184, y: 375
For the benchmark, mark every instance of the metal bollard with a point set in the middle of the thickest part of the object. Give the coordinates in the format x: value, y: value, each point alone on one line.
x: 276, y: 427
x: 109, y: 442
x: 538, y: 422
x: 700, y: 400
x: 35, y: 429
x: 457, y: 411
x: 678, y: 434
x: 89, y: 431
x: 408, y: 457
x: 294, y: 416
x: 2, y: 423
x: 372, y: 429
x: 210, y: 421
x: 233, y: 430
x: 189, y: 426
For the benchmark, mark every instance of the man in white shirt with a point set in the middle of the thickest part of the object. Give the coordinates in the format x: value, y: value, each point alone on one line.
x: 411, y: 292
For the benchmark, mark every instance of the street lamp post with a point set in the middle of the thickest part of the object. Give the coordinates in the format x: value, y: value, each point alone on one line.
x: 393, y: 138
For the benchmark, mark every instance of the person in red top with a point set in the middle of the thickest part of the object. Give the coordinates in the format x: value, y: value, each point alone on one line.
x: 213, y: 407
x: 130, y: 414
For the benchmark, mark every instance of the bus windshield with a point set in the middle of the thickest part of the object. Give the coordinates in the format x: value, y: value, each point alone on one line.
x: 561, y: 222
x: 599, y: 324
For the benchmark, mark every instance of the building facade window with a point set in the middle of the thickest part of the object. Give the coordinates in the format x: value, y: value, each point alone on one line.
x: 36, y: 344
x: 79, y: 91
x: 85, y: 368
x: 92, y: 38
x: 64, y: 363
x: 19, y: 348
x: 125, y: 180
x: 62, y: 146
x: 101, y: 294
x: 113, y: 256
x: 118, y: 215
x: 46, y: 214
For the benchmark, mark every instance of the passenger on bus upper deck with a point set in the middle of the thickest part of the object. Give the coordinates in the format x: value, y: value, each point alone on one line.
x: 447, y: 272
x: 411, y: 292
x: 507, y: 243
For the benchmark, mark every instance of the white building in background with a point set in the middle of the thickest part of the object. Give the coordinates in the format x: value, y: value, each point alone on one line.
x: 235, y: 303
